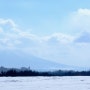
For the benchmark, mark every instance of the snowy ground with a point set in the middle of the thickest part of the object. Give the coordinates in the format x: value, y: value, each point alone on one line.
x: 44, y: 83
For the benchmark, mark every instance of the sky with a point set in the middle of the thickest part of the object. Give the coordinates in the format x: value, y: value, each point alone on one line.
x: 56, y: 30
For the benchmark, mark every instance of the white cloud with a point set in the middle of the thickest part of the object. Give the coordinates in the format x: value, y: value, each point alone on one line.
x: 58, y: 38
x: 84, y: 12
x: 23, y: 38
x: 7, y: 21
x: 66, y: 48
x: 77, y: 21
x: 12, y: 36
x: 81, y: 19
x: 58, y: 47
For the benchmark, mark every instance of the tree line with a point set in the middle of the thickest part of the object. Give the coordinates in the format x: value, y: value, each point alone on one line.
x: 28, y: 72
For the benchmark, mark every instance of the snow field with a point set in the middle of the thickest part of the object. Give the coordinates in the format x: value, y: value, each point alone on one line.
x: 45, y: 83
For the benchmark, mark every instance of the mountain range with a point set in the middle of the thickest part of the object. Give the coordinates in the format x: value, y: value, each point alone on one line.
x: 18, y: 59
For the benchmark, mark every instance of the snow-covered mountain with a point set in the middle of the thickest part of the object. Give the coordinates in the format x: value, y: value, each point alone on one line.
x: 11, y: 58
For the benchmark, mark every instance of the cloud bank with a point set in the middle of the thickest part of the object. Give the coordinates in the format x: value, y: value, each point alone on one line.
x: 59, y: 47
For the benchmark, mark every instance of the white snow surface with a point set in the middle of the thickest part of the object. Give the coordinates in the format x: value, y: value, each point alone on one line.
x: 45, y: 83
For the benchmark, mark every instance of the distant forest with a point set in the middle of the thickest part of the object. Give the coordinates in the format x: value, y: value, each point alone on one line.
x: 28, y: 72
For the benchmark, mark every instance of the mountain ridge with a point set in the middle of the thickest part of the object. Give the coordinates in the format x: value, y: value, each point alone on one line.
x: 21, y: 59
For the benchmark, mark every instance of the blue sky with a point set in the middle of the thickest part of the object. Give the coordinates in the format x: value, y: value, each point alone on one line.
x: 60, y: 28
x: 42, y: 17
